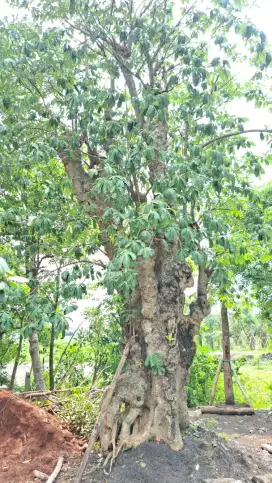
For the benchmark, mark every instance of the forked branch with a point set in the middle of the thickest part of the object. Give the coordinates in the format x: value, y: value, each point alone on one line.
x: 232, y: 134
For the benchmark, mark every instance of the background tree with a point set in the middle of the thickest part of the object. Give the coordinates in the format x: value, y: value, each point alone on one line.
x: 45, y: 243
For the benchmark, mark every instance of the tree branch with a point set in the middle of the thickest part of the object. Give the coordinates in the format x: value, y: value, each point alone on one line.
x: 231, y: 134
x: 200, y: 308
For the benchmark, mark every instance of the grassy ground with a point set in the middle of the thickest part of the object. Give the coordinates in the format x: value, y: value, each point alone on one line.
x: 256, y: 377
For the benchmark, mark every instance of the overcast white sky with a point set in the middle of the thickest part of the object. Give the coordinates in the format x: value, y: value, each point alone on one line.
x: 261, y: 14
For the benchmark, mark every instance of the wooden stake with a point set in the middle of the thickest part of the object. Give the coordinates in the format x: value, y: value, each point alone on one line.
x: 215, y: 381
x: 228, y: 385
x: 240, y: 385
x: 56, y: 471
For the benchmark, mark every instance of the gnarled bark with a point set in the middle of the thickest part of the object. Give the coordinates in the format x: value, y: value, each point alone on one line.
x: 144, y: 403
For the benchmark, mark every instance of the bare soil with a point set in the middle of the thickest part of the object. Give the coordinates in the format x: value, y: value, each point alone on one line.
x: 214, y: 447
x: 30, y: 439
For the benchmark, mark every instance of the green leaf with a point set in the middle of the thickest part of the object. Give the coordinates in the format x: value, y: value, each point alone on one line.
x: 6, y: 102
x: 70, y: 309
x: 65, y: 276
x: 171, y: 232
x: 187, y: 235
x: 151, y: 111
x: 262, y: 36
x: 219, y: 40
x: 268, y: 59
x: 173, y: 81
x: 3, y: 267
x: 149, y: 153
x: 155, y: 362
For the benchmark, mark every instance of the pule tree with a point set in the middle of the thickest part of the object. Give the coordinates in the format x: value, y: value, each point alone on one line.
x: 132, y: 98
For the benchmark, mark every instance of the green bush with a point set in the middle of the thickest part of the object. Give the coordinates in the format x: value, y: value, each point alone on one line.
x: 202, y: 374
x: 201, y: 377
x: 4, y: 378
x: 80, y: 411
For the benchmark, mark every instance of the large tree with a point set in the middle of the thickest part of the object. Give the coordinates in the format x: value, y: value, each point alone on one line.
x: 132, y: 97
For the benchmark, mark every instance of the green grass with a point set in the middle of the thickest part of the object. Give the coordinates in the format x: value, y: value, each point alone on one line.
x: 256, y: 378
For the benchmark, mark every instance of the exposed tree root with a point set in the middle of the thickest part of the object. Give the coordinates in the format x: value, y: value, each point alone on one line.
x: 134, y: 440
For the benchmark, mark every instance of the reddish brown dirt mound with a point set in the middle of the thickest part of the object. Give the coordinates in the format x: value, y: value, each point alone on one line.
x: 30, y: 439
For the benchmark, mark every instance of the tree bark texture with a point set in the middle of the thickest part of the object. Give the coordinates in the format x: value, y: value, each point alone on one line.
x: 16, y: 362
x: 145, y: 404
x: 27, y: 381
x: 229, y: 394
x: 36, y: 361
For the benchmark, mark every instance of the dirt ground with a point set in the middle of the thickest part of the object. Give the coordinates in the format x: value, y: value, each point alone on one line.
x: 30, y: 439
x: 216, y: 446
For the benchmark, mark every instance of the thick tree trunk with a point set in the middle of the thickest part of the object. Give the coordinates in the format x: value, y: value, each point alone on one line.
x: 36, y: 361
x: 16, y: 362
x: 151, y: 401
x: 229, y: 394
x: 51, y: 358
x: 149, y: 398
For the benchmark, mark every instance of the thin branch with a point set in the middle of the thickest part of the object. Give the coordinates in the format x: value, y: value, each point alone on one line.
x: 235, y: 133
x: 186, y: 13
x: 146, y: 8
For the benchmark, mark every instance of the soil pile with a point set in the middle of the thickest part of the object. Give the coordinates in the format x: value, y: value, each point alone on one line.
x: 204, y: 456
x: 30, y: 439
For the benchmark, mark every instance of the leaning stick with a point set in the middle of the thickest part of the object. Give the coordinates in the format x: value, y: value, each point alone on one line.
x: 215, y: 381
x: 56, y: 471
x: 30, y: 394
x: 103, y: 410
x: 240, y: 385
